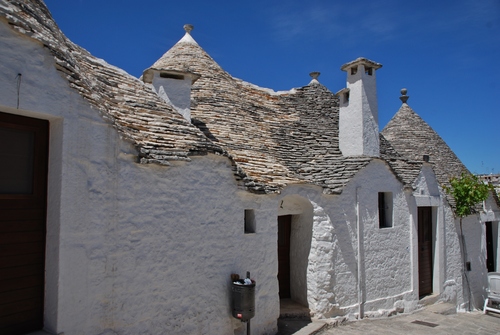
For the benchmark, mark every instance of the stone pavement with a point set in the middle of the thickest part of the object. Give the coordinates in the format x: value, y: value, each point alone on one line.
x: 437, y: 319
x: 434, y: 319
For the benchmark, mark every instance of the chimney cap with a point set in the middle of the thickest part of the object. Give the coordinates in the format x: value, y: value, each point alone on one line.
x: 361, y: 60
x: 404, y: 97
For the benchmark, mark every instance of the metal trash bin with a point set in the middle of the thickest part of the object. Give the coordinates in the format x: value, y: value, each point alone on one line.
x: 243, y: 301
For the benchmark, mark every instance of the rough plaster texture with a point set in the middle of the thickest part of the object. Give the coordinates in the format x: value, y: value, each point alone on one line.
x: 127, y: 248
x: 332, y: 271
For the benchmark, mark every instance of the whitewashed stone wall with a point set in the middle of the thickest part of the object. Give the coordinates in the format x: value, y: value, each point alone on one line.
x: 332, y: 269
x: 475, y: 243
x: 449, y: 281
x: 130, y: 248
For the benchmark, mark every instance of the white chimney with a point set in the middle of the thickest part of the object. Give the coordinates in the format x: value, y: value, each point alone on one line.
x: 358, y: 115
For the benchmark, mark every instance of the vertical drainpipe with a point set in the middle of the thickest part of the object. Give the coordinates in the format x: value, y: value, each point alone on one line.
x: 360, y: 259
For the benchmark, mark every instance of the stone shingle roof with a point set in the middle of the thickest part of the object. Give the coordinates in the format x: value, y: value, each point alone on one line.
x: 159, y: 133
x: 274, y: 139
x: 412, y: 138
x: 406, y: 170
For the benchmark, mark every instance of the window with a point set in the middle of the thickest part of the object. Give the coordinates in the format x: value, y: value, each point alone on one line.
x: 346, y: 97
x: 249, y: 221
x: 354, y: 70
x: 171, y: 75
x: 385, y: 209
x: 369, y: 70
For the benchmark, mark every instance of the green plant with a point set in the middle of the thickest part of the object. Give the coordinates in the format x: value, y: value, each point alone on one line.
x: 468, y: 191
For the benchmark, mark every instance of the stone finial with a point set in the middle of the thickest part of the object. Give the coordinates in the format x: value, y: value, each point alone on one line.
x: 188, y: 28
x: 403, y: 96
x: 314, y: 75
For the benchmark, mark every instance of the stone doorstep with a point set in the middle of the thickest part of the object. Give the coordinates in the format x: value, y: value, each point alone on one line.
x: 429, y: 300
x: 290, y: 309
x: 315, y: 327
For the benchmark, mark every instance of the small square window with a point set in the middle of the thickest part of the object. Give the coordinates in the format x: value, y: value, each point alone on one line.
x: 354, y: 70
x: 385, y: 209
x: 346, y: 97
x: 249, y: 221
x: 369, y: 71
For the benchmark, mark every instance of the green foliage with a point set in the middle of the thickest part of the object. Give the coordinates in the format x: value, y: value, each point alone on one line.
x: 468, y: 191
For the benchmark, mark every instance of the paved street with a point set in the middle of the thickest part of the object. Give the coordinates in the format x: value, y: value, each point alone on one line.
x: 434, y: 319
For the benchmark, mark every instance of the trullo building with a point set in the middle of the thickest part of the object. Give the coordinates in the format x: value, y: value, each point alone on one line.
x: 126, y: 203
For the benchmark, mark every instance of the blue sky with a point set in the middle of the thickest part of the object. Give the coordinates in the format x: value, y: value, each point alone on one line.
x: 445, y: 52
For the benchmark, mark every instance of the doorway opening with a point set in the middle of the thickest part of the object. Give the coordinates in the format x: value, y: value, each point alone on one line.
x: 425, y: 251
x: 295, y: 221
x: 23, y: 199
x: 491, y: 246
x: 284, y: 227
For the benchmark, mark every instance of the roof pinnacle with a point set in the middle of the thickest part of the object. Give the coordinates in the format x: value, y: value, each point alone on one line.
x: 403, y: 96
x: 188, y: 28
x: 314, y: 75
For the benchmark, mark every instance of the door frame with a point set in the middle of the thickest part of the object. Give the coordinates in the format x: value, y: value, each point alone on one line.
x: 283, y: 243
x: 32, y: 206
x: 426, y: 248
x: 491, y: 233
x: 54, y: 211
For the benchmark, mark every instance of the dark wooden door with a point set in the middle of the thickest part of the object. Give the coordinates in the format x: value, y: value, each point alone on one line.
x: 490, y: 252
x: 284, y: 226
x: 23, y: 188
x: 425, y: 250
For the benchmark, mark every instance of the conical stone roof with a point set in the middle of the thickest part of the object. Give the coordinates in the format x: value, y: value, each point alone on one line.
x: 413, y: 138
x: 274, y: 138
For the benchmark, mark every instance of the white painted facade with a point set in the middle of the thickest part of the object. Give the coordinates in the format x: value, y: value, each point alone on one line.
x: 134, y: 248
x: 149, y: 249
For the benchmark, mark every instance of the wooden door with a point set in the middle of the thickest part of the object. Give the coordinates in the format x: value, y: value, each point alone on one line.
x: 425, y: 242
x: 23, y: 188
x: 284, y: 227
x: 490, y: 252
